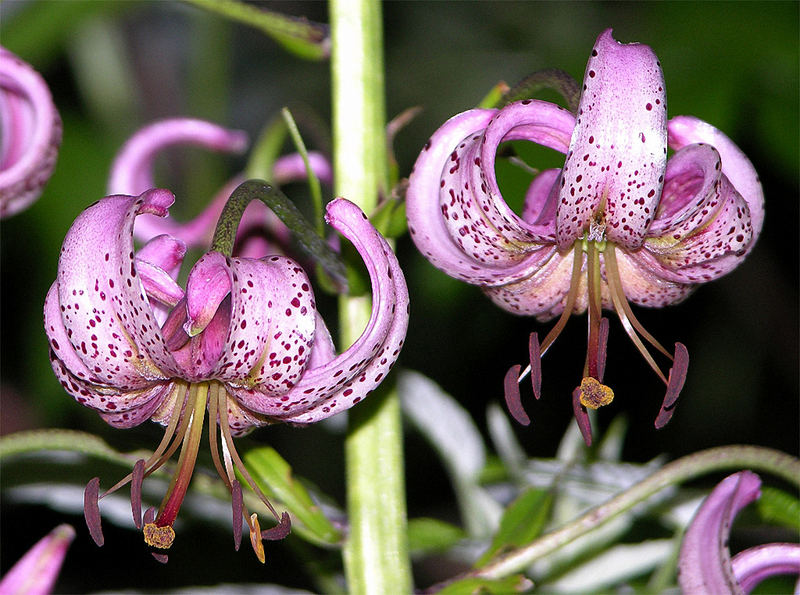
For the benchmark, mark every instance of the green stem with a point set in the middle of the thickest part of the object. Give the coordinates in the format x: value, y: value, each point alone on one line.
x: 683, y: 469
x: 376, y: 551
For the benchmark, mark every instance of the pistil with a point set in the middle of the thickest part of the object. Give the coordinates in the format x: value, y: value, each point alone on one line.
x: 160, y: 533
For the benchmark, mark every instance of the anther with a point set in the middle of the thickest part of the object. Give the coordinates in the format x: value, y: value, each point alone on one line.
x: 255, y: 538
x: 160, y: 537
x: 91, y: 510
x: 279, y: 531
x: 136, y: 492
x: 677, y: 376
x: 512, y: 397
x: 535, y: 352
x: 238, y: 505
x: 582, y: 417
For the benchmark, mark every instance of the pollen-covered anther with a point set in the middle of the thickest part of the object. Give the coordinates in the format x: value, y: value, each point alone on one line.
x: 593, y: 394
x: 160, y: 537
x: 255, y: 538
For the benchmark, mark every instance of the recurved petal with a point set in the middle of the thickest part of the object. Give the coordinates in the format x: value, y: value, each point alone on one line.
x: 426, y: 223
x: 347, y: 379
x: 164, y: 252
x: 704, y: 565
x: 542, y: 292
x: 756, y: 564
x: 614, y: 168
x: 132, y: 170
x: 102, y: 301
x: 541, y: 199
x: 645, y: 288
x: 685, y: 130
x: 711, y: 250
x: 31, y: 134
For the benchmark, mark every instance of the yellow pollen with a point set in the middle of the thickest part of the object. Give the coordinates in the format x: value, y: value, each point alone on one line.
x: 594, y: 394
x: 160, y: 537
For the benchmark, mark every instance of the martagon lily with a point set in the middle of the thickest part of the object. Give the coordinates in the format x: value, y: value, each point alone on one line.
x: 243, y: 340
x: 618, y: 223
x: 705, y: 564
x: 30, y: 134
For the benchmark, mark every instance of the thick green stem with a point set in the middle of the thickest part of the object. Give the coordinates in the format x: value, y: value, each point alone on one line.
x: 679, y: 471
x: 376, y: 551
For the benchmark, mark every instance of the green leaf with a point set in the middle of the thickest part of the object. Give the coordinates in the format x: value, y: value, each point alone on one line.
x: 432, y: 535
x: 516, y: 583
x: 296, y: 34
x: 69, y: 440
x: 777, y: 506
x: 274, y: 476
x: 522, y: 522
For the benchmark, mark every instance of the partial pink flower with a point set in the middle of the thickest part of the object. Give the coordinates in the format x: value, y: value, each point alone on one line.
x: 618, y: 223
x: 36, y: 572
x: 30, y: 134
x: 705, y: 564
x: 243, y: 340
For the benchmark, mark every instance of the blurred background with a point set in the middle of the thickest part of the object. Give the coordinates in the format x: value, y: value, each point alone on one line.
x: 115, y: 66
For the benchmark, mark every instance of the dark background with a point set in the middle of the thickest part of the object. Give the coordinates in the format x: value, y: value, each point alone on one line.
x: 114, y: 66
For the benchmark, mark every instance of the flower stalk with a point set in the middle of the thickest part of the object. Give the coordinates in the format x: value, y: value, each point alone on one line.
x: 376, y: 551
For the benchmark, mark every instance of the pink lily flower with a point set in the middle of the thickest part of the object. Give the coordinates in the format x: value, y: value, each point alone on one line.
x: 30, y: 134
x: 618, y: 223
x: 36, y: 572
x: 243, y: 340
x: 132, y: 174
x: 705, y: 564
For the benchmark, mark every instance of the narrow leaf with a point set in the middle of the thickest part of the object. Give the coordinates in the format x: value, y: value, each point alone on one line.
x: 522, y: 522
x: 426, y: 535
x: 274, y: 476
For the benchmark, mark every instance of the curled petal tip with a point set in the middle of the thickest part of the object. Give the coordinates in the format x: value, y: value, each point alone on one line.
x: 36, y: 572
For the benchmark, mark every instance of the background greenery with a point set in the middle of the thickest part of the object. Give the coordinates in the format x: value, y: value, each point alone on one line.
x: 114, y: 66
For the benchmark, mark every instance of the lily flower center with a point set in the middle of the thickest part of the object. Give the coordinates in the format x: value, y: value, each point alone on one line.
x: 184, y: 432
x: 595, y: 257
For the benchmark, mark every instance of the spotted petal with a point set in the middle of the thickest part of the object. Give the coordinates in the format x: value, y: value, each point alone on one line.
x: 457, y: 217
x: 705, y: 562
x: 614, y: 169
x: 685, y: 130
x: 31, y: 134
x: 102, y: 300
x: 345, y: 380
x: 270, y: 329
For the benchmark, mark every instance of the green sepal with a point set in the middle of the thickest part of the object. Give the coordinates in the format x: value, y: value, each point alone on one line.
x: 522, y: 522
x: 273, y: 475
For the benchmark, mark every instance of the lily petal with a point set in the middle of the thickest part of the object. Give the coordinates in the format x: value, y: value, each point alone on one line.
x: 31, y: 134
x: 614, y: 168
x: 102, y: 299
x: 753, y: 565
x: 36, y: 572
x: 684, y: 130
x: 271, y: 330
x: 705, y: 562
x: 340, y: 383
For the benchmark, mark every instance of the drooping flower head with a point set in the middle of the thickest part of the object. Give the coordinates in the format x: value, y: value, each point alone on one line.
x: 243, y: 341
x: 618, y: 223
x: 30, y: 134
x: 705, y: 564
